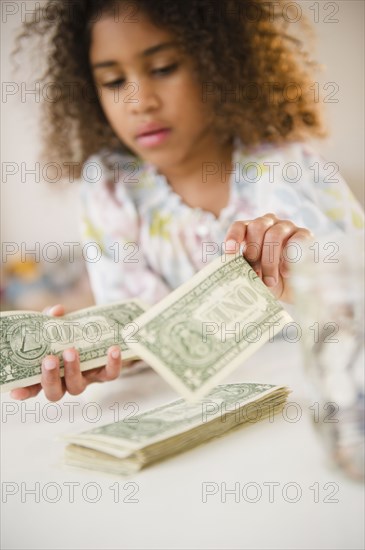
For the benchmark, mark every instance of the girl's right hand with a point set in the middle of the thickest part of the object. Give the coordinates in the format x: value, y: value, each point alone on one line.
x: 73, y: 381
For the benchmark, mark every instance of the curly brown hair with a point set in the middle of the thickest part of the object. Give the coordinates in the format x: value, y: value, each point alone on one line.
x: 253, y: 72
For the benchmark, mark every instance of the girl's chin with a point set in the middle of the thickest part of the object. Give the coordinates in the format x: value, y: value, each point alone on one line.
x: 160, y: 159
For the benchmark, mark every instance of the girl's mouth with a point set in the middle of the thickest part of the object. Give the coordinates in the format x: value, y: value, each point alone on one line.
x: 151, y: 139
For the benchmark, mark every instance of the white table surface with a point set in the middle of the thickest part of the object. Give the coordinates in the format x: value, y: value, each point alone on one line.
x: 170, y: 512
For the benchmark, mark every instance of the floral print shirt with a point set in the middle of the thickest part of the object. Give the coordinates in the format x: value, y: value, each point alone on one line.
x: 141, y: 240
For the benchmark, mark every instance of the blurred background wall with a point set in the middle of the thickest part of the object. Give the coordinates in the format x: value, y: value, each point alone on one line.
x: 34, y: 212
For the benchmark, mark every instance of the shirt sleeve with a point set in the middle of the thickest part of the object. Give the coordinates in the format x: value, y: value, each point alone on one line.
x: 310, y: 191
x: 331, y: 195
x: 110, y: 237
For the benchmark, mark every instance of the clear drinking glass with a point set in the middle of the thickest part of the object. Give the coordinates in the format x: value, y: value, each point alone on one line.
x: 328, y: 283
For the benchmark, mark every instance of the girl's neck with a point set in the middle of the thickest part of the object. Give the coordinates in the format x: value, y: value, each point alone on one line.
x: 204, y: 181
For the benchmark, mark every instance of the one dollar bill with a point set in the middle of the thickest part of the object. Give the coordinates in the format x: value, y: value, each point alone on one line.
x: 27, y: 337
x: 129, y: 445
x: 208, y: 326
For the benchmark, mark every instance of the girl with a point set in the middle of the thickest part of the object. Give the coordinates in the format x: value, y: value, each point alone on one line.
x: 189, y: 119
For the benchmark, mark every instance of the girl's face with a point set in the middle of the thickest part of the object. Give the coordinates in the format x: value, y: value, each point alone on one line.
x: 148, y: 91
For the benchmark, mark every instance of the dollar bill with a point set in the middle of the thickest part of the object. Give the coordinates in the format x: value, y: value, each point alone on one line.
x: 129, y: 445
x: 208, y: 326
x: 27, y: 337
x: 193, y: 338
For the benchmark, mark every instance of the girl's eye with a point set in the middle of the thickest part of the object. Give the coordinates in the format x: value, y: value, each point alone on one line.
x: 161, y: 71
x: 114, y: 84
x: 166, y: 70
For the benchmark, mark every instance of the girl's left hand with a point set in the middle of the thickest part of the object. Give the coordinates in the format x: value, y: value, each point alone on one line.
x: 265, y: 246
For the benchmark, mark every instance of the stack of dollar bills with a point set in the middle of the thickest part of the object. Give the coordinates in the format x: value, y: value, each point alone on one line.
x: 125, y: 447
x: 193, y: 338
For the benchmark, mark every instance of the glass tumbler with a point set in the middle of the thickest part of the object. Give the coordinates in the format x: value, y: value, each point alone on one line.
x: 328, y: 284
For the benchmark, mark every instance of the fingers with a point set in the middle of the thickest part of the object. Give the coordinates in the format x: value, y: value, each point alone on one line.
x: 114, y: 363
x: 235, y: 236
x: 296, y: 240
x: 54, y: 387
x: 255, y: 240
x: 50, y: 379
x: 56, y: 311
x: 111, y: 370
x: 74, y: 380
x: 266, y: 243
x: 26, y: 393
x: 273, y: 245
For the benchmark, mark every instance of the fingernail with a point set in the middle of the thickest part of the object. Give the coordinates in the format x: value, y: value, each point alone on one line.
x: 115, y: 353
x: 55, y: 308
x: 69, y: 355
x: 270, y: 281
x: 50, y: 363
x: 231, y: 246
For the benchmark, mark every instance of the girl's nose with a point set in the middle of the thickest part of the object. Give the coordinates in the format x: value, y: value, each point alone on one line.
x: 143, y: 97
